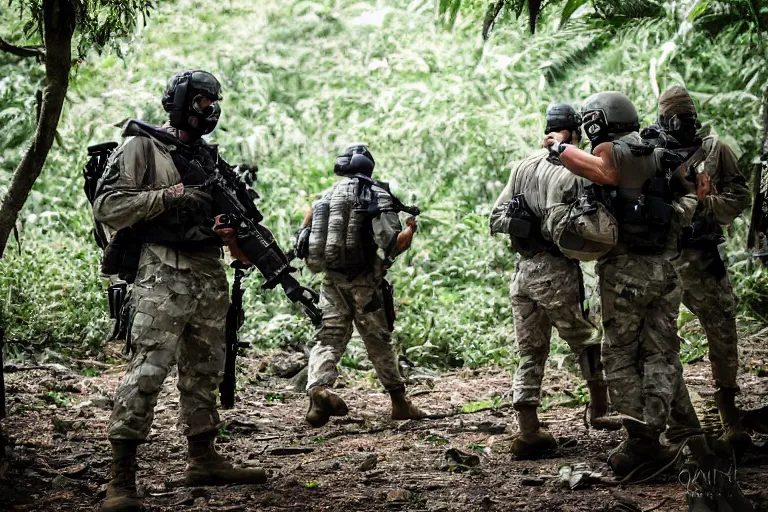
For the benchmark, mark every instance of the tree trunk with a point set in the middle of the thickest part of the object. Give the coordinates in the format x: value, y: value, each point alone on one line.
x: 58, y: 29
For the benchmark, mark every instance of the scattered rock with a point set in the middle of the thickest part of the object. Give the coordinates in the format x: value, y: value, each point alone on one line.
x: 299, y: 381
x: 369, y: 463
x: 289, y: 365
x: 490, y: 427
x: 578, y: 476
x: 290, y: 450
x: 60, y: 482
x: 371, y: 476
x: 456, y: 460
x: 74, y: 471
x: 398, y: 496
x: 103, y: 402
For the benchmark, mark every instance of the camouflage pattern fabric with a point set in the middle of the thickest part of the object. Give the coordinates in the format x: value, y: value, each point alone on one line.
x: 546, y: 291
x: 640, y: 297
x: 712, y: 300
x: 179, y: 319
x: 345, y: 303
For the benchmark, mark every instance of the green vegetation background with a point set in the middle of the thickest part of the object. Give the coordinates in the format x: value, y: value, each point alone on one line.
x: 444, y: 114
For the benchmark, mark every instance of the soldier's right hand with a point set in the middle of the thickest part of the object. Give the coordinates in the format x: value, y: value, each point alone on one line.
x: 179, y: 196
x: 412, y: 223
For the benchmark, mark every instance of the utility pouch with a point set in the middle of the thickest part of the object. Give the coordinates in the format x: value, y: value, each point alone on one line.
x: 658, y: 211
x: 520, y: 218
x: 633, y: 219
x: 121, y: 256
x: 388, y: 302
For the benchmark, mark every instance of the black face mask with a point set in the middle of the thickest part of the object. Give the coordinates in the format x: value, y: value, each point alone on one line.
x: 683, y: 127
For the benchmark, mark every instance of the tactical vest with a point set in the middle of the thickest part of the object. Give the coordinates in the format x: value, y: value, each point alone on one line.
x: 642, y: 204
x: 340, y: 239
x: 178, y: 228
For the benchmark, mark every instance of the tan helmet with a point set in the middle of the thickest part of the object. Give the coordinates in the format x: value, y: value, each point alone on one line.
x: 583, y: 230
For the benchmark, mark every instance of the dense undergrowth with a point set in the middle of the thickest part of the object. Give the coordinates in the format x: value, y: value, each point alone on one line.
x: 444, y: 116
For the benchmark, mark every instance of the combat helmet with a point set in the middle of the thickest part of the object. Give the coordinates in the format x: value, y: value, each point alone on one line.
x: 562, y: 116
x: 356, y: 159
x: 182, y: 101
x: 607, y: 114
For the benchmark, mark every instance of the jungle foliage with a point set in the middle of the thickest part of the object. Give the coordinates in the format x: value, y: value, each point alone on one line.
x: 444, y: 111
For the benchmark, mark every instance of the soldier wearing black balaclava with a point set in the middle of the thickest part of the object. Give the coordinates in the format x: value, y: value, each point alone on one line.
x: 707, y: 291
x: 180, y: 293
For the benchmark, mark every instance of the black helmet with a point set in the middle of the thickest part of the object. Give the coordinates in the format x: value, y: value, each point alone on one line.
x: 607, y: 114
x: 560, y: 117
x: 356, y: 159
x: 182, y: 94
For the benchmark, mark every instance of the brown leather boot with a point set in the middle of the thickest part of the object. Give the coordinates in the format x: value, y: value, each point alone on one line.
x: 642, y: 447
x: 121, y: 491
x: 322, y: 405
x: 592, y: 370
x: 402, y: 408
x: 735, y: 436
x: 206, y: 467
x: 532, y: 441
x: 598, y: 407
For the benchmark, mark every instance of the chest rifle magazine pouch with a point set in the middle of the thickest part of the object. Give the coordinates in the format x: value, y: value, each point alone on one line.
x: 318, y: 235
x: 338, y: 220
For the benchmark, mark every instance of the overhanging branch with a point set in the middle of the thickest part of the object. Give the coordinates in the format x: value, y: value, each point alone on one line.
x: 22, y: 51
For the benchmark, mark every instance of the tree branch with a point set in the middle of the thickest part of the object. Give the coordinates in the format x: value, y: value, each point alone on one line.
x: 22, y: 51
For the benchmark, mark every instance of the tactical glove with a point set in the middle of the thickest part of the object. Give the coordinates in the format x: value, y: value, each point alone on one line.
x: 193, y: 199
x: 302, y: 242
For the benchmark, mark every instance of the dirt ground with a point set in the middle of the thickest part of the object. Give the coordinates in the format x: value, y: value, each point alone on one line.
x: 59, y: 458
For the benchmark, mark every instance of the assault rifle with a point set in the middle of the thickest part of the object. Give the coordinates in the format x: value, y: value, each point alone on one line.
x: 234, y: 205
x: 397, y: 204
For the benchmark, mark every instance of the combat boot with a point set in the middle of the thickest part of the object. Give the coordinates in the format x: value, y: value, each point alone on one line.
x: 532, y: 441
x: 322, y: 405
x: 735, y: 437
x: 206, y: 467
x: 402, y: 408
x: 642, y: 447
x: 598, y: 407
x: 592, y: 371
x: 121, y: 491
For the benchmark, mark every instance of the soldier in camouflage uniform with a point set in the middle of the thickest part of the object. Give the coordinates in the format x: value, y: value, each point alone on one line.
x: 352, y: 234
x: 639, y: 288
x: 707, y: 290
x: 180, y: 294
x: 547, y: 289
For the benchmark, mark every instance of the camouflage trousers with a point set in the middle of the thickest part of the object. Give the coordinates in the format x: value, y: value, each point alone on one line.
x: 546, y: 292
x: 179, y: 318
x: 707, y: 292
x: 344, y: 303
x: 641, y: 353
